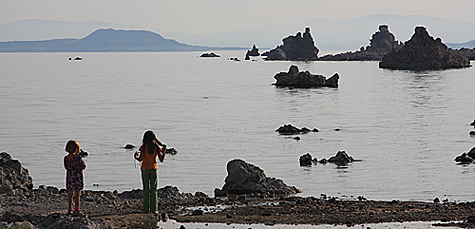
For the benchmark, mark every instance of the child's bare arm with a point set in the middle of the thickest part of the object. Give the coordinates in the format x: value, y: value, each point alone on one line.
x: 137, y: 156
x: 161, y: 154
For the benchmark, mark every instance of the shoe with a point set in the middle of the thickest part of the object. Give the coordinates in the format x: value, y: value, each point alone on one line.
x: 70, y: 211
x: 78, y: 213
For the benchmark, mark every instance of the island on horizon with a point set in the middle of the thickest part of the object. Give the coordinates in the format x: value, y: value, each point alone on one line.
x: 108, y: 40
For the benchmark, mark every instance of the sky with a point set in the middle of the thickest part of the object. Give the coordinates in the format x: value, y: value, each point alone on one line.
x: 199, y: 17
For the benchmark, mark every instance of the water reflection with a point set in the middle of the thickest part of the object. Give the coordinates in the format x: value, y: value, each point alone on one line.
x: 426, y: 89
x: 295, y: 99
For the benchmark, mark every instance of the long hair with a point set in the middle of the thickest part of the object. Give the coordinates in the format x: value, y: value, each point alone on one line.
x: 150, y: 141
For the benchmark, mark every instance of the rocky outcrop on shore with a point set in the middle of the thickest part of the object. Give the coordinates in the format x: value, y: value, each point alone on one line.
x: 246, y: 178
x: 297, y: 48
x: 253, y: 52
x: 381, y: 43
x: 423, y: 52
x: 13, y: 175
x: 304, y: 79
x: 46, y: 207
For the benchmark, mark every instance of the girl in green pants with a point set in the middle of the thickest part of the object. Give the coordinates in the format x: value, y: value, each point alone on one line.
x: 149, y: 151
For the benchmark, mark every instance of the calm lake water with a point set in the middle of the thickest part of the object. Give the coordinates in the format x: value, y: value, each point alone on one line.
x: 405, y: 127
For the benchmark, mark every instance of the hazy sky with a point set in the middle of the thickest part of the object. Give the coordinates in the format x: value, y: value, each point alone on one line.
x: 206, y: 16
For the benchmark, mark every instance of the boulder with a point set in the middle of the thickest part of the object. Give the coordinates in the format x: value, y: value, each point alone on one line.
x: 422, y: 52
x: 381, y: 43
x: 246, y: 178
x: 464, y: 159
x: 294, y: 78
x: 13, y: 175
x: 341, y: 158
x: 471, y: 153
x: 299, y: 48
x: 129, y: 146
x: 305, y: 160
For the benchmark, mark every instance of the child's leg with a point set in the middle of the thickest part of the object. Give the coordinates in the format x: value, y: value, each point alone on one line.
x: 146, y: 190
x: 70, y: 199
x: 153, y: 190
x: 77, y: 197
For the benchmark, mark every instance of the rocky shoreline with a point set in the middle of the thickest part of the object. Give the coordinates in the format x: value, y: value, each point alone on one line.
x: 46, y: 208
x: 273, y: 203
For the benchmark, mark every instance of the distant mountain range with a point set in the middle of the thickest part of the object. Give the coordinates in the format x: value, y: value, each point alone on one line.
x: 336, y: 35
x: 104, y: 40
x: 328, y: 35
x: 470, y: 44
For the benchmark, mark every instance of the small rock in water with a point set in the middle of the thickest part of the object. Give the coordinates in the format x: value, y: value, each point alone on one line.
x: 464, y: 159
x: 305, y: 160
x: 341, y: 159
x: 129, y: 146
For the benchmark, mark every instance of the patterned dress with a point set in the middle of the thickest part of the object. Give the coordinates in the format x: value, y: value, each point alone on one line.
x: 74, y: 177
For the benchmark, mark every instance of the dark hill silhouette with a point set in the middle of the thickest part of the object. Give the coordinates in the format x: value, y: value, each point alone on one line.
x: 104, y: 40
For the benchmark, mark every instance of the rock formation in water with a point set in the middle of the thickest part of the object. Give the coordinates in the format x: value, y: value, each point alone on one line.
x: 341, y: 158
x: 246, y: 178
x: 468, y: 53
x: 306, y: 160
x: 466, y: 158
x: 294, y: 78
x: 211, y: 54
x: 381, y: 43
x: 13, y: 175
x: 253, y: 52
x: 289, y: 129
x: 422, y: 52
x: 297, y: 48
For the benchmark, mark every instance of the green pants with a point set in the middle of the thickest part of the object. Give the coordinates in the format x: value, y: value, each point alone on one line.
x: 150, y: 182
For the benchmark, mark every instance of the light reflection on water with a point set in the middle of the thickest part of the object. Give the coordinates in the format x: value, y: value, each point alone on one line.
x: 406, y: 127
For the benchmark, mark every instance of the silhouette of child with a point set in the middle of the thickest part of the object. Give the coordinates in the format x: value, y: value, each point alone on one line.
x: 74, y: 166
x: 149, y: 151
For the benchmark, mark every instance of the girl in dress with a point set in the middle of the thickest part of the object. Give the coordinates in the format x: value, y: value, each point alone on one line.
x: 74, y: 165
x: 149, y: 151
